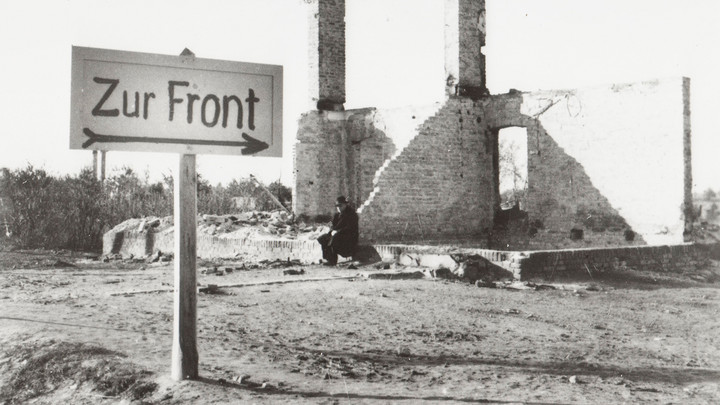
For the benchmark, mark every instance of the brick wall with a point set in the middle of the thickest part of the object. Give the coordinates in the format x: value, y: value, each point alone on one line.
x: 472, y: 39
x: 337, y: 153
x: 606, y: 161
x: 319, y: 163
x: 370, y: 147
x: 342, y: 153
x: 584, y: 263
x: 687, y: 259
x: 603, y: 160
x: 441, y: 186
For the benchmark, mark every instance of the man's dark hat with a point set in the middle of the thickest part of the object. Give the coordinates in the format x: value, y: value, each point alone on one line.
x: 341, y: 200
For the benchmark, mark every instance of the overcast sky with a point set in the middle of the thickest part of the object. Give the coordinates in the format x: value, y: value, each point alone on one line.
x: 394, y: 58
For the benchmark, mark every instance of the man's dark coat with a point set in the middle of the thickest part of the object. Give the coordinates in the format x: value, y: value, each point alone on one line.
x: 346, y: 238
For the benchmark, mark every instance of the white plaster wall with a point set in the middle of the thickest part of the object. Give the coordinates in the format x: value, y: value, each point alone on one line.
x: 402, y: 124
x: 452, y: 43
x: 629, y: 139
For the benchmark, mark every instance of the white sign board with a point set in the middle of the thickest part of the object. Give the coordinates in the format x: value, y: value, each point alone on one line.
x: 134, y: 101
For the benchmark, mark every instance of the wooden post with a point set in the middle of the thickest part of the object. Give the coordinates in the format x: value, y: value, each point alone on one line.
x: 95, y: 165
x: 102, y: 166
x: 184, y: 348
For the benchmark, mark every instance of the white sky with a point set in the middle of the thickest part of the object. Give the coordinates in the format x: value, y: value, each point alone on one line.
x: 394, y: 58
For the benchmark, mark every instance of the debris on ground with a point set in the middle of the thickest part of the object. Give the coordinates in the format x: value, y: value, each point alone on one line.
x: 516, y: 285
x: 274, y: 264
x: 593, y: 287
x: 91, y: 256
x: 212, y: 270
x: 475, y: 267
x: 400, y: 275
x: 540, y: 287
x: 210, y: 289
x: 156, y: 258
x: 442, y: 272
x: 251, y: 224
x: 60, y: 264
x: 483, y: 283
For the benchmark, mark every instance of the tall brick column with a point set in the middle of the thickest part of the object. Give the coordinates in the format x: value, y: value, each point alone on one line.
x: 326, y: 28
x: 322, y: 146
x: 464, y: 39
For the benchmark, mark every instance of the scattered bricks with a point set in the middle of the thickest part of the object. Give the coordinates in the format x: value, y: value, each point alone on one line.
x: 62, y: 264
x: 576, y: 234
x: 210, y: 289
x: 474, y: 267
x: 442, y: 273
x: 155, y: 257
x: 211, y: 270
x: 484, y: 283
x: 407, y: 275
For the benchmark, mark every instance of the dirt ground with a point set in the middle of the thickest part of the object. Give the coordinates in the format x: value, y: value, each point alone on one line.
x: 350, y: 339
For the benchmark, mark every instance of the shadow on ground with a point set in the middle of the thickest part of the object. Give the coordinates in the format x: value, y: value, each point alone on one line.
x: 256, y: 388
x: 673, y: 375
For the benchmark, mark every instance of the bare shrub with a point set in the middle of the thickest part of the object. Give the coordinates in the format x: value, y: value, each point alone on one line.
x: 73, y: 212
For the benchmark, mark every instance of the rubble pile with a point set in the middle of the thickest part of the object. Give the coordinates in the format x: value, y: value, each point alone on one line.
x: 705, y: 232
x: 258, y: 225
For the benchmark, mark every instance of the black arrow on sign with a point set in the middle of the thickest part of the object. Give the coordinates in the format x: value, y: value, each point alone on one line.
x: 251, y: 146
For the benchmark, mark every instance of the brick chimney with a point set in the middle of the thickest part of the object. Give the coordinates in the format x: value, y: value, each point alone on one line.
x: 326, y: 28
x: 464, y: 39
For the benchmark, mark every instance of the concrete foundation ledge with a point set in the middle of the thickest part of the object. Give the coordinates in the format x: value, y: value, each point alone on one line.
x: 141, y: 244
x: 685, y: 258
x: 550, y: 264
x: 544, y: 264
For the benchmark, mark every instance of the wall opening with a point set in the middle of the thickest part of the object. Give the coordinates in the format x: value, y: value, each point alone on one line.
x: 512, y: 168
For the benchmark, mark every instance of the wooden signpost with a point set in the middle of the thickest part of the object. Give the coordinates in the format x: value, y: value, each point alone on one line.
x: 133, y: 101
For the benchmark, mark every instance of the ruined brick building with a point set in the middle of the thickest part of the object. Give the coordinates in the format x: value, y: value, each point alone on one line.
x: 607, y: 166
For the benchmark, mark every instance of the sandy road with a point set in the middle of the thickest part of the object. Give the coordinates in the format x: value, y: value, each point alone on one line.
x: 383, y: 341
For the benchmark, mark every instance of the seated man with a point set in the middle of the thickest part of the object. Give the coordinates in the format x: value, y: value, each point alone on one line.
x: 343, y: 236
